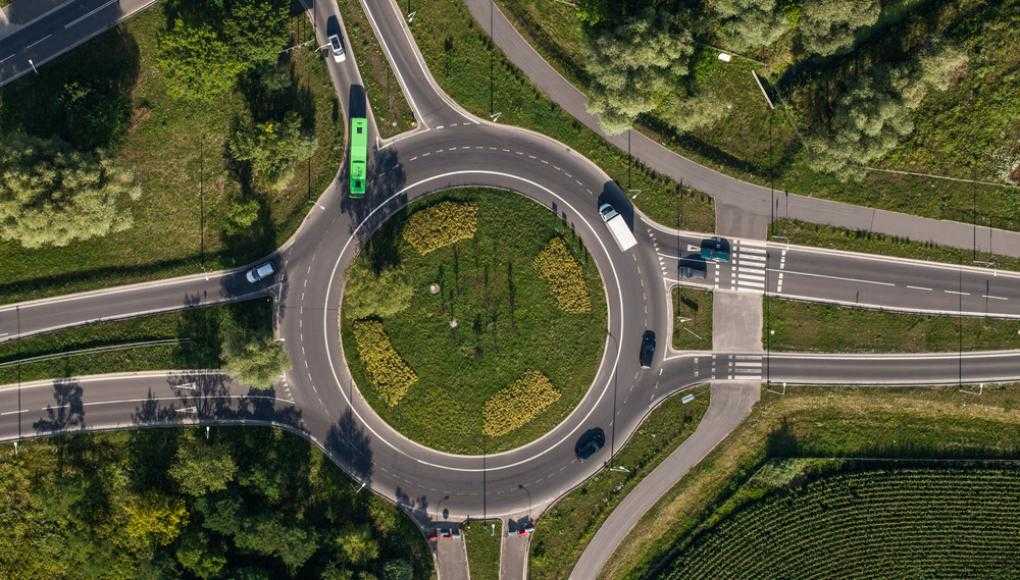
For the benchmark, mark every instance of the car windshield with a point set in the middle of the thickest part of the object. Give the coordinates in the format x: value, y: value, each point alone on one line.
x: 335, y: 42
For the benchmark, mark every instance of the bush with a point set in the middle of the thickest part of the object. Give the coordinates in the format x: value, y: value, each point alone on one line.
x: 389, y: 373
x: 441, y: 225
x: 560, y: 270
x: 516, y: 405
x: 256, y: 363
x: 368, y: 295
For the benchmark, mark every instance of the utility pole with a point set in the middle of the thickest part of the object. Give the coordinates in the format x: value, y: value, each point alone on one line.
x: 492, y: 48
x: 17, y: 315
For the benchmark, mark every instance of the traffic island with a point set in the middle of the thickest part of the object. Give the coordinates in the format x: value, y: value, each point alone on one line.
x: 473, y: 321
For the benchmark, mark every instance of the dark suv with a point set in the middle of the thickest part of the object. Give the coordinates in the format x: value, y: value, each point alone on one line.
x: 647, y: 349
x: 589, y: 443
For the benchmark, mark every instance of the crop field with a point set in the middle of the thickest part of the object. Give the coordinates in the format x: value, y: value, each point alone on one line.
x: 917, y: 522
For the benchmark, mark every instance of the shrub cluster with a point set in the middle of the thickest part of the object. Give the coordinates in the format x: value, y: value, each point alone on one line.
x: 560, y: 270
x: 441, y: 225
x: 389, y: 373
x: 516, y: 405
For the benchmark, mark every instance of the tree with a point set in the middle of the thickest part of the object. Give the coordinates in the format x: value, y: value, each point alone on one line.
x: 197, y: 63
x: 829, y: 27
x: 240, y: 216
x: 636, y: 66
x: 271, y: 537
x: 195, y: 555
x: 749, y: 24
x: 358, y: 544
x: 154, y: 517
x: 271, y: 149
x: 871, y: 118
x: 257, y: 30
x: 52, y: 195
x: 367, y: 294
x: 398, y: 570
x: 201, y: 467
x: 256, y: 363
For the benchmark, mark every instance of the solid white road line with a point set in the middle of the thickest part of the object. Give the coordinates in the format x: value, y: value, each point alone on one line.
x: 840, y: 278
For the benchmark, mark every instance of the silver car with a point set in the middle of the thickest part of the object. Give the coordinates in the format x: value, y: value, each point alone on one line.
x: 260, y: 272
x: 337, y: 48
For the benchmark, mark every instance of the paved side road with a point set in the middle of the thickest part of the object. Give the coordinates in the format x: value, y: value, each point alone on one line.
x: 513, y: 557
x: 726, y: 190
x: 731, y: 403
x: 451, y: 558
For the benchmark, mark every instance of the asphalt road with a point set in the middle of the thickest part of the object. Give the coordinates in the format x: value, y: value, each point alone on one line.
x: 451, y: 149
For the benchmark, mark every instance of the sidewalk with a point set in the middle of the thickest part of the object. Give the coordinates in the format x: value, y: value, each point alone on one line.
x: 20, y: 13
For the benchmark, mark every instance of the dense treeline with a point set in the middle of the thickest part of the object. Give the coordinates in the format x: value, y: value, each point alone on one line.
x: 860, y: 86
x: 159, y: 503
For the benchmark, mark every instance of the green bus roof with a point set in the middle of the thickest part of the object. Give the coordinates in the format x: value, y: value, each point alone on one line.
x: 359, y: 156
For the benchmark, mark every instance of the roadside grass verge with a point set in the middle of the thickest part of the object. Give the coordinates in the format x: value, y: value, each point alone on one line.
x: 565, y: 529
x: 984, y: 102
x: 490, y: 322
x: 692, y: 318
x: 817, y: 327
x: 821, y: 422
x: 200, y: 332
x: 176, y: 152
x: 483, y: 547
x: 458, y: 55
x: 392, y: 113
x: 822, y: 236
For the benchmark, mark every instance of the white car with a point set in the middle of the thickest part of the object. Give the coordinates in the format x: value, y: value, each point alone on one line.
x: 337, y: 48
x: 260, y: 272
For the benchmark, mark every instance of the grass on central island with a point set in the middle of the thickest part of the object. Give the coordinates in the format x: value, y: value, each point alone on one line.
x: 510, y: 332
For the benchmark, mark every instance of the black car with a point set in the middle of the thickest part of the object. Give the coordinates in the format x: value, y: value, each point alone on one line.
x: 693, y: 266
x: 647, y: 349
x: 589, y: 443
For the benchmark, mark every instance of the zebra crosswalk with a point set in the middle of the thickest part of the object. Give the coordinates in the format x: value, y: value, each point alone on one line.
x: 748, y: 270
x: 737, y: 367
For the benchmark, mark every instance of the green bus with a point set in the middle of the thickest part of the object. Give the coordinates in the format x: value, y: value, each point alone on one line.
x: 359, y: 156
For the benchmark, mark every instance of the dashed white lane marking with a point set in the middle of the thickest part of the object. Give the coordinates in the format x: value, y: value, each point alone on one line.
x: 989, y: 296
x: 440, y: 127
x: 957, y: 293
x: 922, y: 288
x: 38, y: 41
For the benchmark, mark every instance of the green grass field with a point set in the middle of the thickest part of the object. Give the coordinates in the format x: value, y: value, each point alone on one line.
x: 176, y: 152
x: 692, y: 319
x: 816, y: 327
x: 967, y: 132
x: 392, y: 113
x: 868, y: 519
x: 508, y: 323
x: 562, y: 533
x: 798, y: 232
x: 820, y: 424
x: 458, y: 55
x: 199, y: 331
x: 483, y: 548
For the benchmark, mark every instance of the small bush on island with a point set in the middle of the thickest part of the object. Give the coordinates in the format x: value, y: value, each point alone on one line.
x: 516, y: 405
x: 441, y: 225
x: 386, y: 369
x: 368, y: 295
x: 560, y: 270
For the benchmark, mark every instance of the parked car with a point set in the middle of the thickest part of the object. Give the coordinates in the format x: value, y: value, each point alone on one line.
x: 715, y: 249
x: 336, y: 47
x: 261, y: 272
x: 589, y: 443
x: 647, y: 353
x: 521, y: 527
x: 693, y: 266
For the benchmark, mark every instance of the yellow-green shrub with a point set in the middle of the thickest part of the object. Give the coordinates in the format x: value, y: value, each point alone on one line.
x: 389, y: 373
x: 516, y: 405
x: 557, y: 266
x: 441, y: 225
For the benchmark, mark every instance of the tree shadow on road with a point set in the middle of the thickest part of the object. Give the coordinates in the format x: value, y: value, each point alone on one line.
x: 349, y: 444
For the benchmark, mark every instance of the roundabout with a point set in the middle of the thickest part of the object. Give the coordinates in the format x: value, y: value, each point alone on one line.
x: 454, y: 328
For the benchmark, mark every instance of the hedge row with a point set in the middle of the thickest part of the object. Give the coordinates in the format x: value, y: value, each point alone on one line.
x: 441, y: 225
x: 516, y: 405
x: 389, y: 373
x: 560, y: 270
